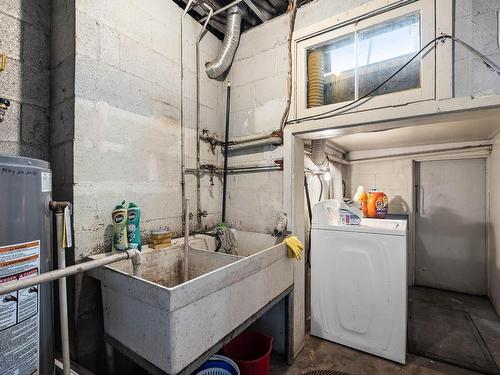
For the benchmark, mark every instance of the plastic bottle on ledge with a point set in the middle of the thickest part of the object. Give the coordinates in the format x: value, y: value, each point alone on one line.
x: 134, y: 227
x: 119, y: 216
x: 362, y: 198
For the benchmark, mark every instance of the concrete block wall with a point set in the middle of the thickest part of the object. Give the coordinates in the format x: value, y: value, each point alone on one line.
x: 25, y: 39
x: 62, y: 97
x: 127, y: 133
x: 476, y: 23
x: 116, y: 135
x: 259, y: 84
x: 393, y: 177
x: 258, y: 78
x: 258, y: 87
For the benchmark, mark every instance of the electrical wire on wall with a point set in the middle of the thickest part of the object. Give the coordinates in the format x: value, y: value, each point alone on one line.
x: 320, y: 189
x: 343, y: 109
x: 309, y: 210
x: 292, y: 6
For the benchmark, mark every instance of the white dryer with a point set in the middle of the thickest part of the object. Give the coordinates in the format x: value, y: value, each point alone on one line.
x: 358, y: 284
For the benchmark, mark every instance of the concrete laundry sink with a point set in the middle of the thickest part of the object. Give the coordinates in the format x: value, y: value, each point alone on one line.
x: 168, y: 323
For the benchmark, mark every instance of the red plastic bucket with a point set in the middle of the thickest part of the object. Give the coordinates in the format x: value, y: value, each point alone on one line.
x: 251, y: 351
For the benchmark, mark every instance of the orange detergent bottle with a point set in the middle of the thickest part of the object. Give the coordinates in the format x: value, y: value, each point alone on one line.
x: 377, y: 205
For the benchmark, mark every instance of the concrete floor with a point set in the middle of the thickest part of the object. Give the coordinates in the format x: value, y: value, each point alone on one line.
x: 459, y: 329
x: 320, y: 354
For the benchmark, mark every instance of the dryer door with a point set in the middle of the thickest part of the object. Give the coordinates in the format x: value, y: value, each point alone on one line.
x: 358, y: 291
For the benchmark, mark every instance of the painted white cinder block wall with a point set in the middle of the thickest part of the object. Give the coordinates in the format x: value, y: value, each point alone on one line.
x: 494, y: 226
x: 25, y: 29
x: 393, y: 177
x: 258, y: 78
x: 259, y: 83
x: 126, y: 132
x: 476, y: 23
x: 118, y: 83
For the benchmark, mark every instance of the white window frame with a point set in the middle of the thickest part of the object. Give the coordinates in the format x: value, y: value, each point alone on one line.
x: 313, y: 37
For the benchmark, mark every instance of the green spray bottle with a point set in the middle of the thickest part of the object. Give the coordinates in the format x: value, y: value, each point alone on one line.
x: 134, y: 227
x: 119, y: 216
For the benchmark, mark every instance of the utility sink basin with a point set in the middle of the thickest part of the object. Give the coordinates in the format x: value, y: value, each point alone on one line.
x: 170, y: 323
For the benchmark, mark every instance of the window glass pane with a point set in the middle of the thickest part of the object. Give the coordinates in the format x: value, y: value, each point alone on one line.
x: 330, y: 72
x: 383, y: 49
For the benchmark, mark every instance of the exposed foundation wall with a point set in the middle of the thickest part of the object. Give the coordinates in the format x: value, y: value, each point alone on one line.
x: 25, y: 39
x: 393, y: 177
x: 259, y: 85
x: 117, y: 133
x: 494, y: 225
x: 127, y: 143
x: 62, y: 97
x: 476, y: 23
x: 259, y: 74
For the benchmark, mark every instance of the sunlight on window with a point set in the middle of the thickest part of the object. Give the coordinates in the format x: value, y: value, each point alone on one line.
x: 349, y: 67
x: 383, y: 49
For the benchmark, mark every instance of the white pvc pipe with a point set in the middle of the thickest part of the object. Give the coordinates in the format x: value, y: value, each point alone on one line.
x: 259, y: 142
x: 60, y: 274
x: 68, y: 271
x: 63, y: 297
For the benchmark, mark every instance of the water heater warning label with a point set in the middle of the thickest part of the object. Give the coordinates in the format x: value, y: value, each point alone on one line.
x: 19, y: 317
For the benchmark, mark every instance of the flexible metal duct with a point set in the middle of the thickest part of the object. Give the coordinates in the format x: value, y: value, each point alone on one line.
x: 315, y: 98
x: 218, y: 67
x: 315, y: 79
x: 318, y: 152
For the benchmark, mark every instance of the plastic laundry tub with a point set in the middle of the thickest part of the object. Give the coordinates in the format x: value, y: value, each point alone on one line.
x: 251, y: 351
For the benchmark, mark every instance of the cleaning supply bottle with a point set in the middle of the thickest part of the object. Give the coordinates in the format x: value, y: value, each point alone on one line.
x: 377, y: 205
x: 134, y: 227
x: 119, y: 216
x: 362, y: 198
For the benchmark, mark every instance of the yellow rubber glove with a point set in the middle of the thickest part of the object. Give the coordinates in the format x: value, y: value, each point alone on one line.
x: 294, y: 246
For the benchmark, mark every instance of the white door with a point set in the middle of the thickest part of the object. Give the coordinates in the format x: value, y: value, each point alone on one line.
x: 358, y: 291
x: 450, y: 238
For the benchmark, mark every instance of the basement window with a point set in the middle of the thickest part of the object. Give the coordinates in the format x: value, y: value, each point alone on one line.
x: 350, y: 62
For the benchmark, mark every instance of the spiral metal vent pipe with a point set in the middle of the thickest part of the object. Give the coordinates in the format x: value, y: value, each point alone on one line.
x: 221, y: 64
x: 315, y: 98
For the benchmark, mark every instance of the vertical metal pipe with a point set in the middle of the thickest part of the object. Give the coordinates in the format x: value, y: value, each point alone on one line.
x: 63, y: 297
x: 181, y: 105
x: 186, y: 242
x: 226, y: 144
x: 197, y: 57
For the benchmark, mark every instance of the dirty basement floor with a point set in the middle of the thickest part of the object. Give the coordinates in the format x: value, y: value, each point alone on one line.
x: 473, y: 327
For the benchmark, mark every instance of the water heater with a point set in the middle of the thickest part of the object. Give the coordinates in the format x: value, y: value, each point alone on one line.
x: 26, y: 316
